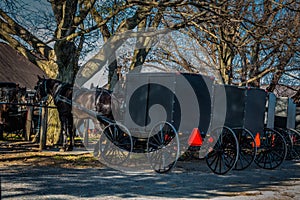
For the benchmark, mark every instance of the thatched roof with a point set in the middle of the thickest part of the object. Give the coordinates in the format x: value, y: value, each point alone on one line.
x: 16, y: 68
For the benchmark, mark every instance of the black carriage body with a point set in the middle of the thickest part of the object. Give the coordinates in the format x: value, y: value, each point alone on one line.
x: 6, y: 89
x: 162, y: 110
x: 15, y: 122
x: 245, y: 107
x: 144, y: 91
x: 15, y: 117
x: 270, y: 111
x: 285, y: 113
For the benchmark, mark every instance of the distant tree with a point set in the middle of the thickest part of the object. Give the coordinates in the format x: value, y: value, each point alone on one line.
x: 259, y: 40
x: 73, y: 26
x: 248, y: 42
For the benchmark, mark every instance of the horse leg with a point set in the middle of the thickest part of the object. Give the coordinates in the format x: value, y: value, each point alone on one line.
x: 99, y: 126
x: 99, y: 130
x: 3, y: 112
x: 70, y: 133
x: 3, y: 116
x: 63, y: 133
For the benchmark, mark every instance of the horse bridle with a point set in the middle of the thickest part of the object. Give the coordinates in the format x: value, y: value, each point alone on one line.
x: 45, y: 86
x: 44, y: 82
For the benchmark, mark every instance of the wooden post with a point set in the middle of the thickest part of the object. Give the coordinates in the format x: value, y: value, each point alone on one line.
x: 43, y: 129
x: 28, y: 124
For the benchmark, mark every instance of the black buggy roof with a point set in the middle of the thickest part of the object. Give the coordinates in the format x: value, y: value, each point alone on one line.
x: 8, y: 85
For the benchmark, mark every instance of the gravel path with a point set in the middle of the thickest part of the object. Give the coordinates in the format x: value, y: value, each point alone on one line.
x: 189, y: 180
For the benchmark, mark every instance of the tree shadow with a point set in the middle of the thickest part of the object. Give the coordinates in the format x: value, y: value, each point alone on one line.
x: 191, y: 179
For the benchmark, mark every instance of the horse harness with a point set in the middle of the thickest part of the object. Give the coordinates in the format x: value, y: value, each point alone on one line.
x: 58, y: 97
x: 99, y: 95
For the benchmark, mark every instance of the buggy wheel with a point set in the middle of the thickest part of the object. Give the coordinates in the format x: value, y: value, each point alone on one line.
x: 272, y: 151
x: 289, y: 143
x: 115, y: 144
x: 163, y: 147
x: 295, y: 138
x: 247, y: 148
x: 224, y: 155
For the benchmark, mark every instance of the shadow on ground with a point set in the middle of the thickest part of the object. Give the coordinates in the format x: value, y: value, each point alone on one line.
x: 188, y: 180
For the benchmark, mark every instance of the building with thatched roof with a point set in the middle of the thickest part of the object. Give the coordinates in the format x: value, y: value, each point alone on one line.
x: 14, y: 67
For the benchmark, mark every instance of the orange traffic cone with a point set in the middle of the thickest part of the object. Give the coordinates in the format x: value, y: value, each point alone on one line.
x: 257, y: 139
x: 195, y: 138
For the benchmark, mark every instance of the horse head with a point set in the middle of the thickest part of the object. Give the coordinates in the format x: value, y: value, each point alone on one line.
x: 21, y: 94
x: 103, y: 102
x: 41, y: 89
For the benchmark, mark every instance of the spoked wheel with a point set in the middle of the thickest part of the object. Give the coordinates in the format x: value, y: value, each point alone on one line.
x: 222, y: 157
x: 247, y: 148
x: 115, y: 144
x: 295, y: 138
x: 163, y: 147
x: 272, y: 150
x: 289, y: 143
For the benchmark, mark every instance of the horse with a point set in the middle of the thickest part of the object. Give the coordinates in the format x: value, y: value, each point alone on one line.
x: 62, y: 93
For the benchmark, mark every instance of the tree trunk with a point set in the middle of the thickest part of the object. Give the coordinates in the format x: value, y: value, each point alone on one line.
x: 113, y: 75
x: 254, y: 71
x: 66, y: 59
x: 275, y: 80
x: 279, y: 72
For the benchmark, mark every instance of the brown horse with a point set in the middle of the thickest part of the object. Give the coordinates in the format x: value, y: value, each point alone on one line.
x: 84, y: 103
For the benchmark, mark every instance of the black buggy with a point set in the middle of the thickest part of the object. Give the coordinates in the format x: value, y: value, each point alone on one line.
x: 285, y: 123
x: 12, y: 115
x: 164, y: 135
x: 236, y: 133
x: 250, y: 114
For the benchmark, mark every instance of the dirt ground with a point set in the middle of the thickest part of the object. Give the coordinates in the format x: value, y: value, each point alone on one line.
x: 27, y: 173
x: 28, y: 154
